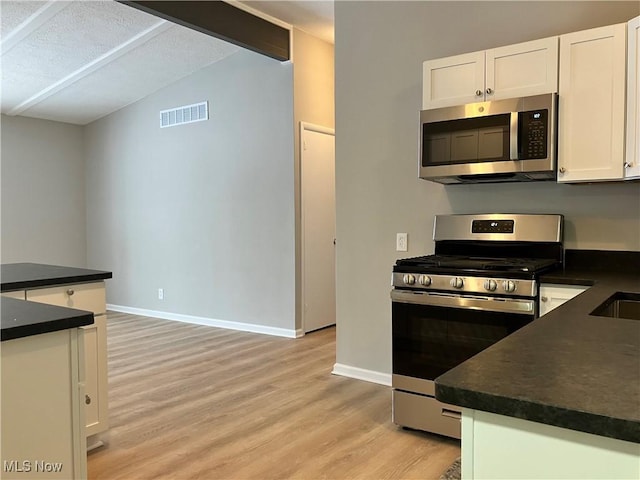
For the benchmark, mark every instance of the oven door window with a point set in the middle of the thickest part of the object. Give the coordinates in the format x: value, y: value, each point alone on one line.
x: 430, y: 340
x: 482, y: 139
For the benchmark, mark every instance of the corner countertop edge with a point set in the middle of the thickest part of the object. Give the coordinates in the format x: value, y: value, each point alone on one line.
x: 558, y: 369
x: 22, y: 276
x: 20, y: 318
x: 616, y: 428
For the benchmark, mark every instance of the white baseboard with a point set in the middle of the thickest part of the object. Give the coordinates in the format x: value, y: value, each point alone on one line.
x: 362, y: 374
x: 211, y: 322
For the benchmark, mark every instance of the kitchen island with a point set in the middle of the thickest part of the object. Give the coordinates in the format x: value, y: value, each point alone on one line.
x: 43, y: 427
x: 25, y: 276
x: 82, y: 289
x: 559, y: 398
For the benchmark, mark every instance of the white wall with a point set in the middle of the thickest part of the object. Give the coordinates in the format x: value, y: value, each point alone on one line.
x: 205, y: 210
x: 380, y: 47
x: 313, y: 100
x: 43, y: 201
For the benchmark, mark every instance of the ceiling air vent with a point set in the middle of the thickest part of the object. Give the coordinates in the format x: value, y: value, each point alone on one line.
x: 187, y: 114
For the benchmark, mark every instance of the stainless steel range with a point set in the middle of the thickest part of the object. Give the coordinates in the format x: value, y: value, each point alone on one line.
x: 480, y: 286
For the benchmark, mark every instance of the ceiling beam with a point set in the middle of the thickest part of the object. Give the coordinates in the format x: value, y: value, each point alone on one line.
x: 38, y: 18
x: 224, y: 21
x: 92, y: 66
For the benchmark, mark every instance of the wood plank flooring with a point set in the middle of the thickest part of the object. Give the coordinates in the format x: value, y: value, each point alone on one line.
x: 195, y: 402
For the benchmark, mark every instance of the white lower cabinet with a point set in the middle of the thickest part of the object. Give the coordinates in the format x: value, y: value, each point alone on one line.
x: 501, y: 447
x: 95, y: 400
x: 19, y: 294
x: 91, y: 297
x: 43, y: 433
x: 554, y: 295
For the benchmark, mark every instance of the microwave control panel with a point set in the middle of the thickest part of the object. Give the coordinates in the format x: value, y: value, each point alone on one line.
x: 534, y: 127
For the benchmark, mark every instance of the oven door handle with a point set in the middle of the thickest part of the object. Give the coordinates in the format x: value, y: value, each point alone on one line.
x: 509, y: 305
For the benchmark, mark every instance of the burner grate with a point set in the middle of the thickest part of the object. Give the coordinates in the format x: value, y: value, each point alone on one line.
x: 478, y: 264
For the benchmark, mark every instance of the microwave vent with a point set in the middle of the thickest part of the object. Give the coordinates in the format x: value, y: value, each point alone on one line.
x: 541, y: 176
x: 196, y: 112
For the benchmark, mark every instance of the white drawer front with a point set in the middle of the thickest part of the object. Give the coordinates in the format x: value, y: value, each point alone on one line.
x: 83, y: 296
x: 19, y: 294
x: 425, y: 413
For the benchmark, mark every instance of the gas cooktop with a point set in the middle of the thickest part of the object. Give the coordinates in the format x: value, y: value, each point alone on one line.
x: 461, y: 263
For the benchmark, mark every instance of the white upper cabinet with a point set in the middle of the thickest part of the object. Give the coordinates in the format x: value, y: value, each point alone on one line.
x: 524, y: 69
x: 521, y: 70
x: 591, y: 111
x: 453, y: 80
x: 632, y: 164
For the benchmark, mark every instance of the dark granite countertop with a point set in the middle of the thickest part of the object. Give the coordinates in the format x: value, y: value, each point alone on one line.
x: 20, y: 318
x: 568, y: 368
x: 20, y: 276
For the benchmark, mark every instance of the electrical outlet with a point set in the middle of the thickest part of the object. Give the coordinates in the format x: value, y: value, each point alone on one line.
x: 402, y: 242
x: 161, y: 294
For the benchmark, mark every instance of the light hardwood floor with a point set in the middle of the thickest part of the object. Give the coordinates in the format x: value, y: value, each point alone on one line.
x: 189, y: 401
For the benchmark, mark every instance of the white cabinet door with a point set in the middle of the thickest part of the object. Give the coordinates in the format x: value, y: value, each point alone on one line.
x: 91, y: 297
x: 521, y: 70
x: 591, y: 112
x: 453, y: 80
x: 90, y: 400
x: 632, y: 165
x: 552, y: 295
x: 496, y: 446
x: 43, y: 436
x: 529, y: 68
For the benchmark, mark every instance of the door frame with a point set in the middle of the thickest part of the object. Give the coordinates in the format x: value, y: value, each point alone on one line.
x: 306, y: 126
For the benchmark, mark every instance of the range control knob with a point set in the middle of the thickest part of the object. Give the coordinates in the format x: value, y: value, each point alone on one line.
x: 456, y: 282
x: 490, y: 285
x: 425, y: 280
x: 509, y: 286
x: 409, y: 279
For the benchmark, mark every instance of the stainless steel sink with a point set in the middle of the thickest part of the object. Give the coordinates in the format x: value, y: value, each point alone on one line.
x: 620, y: 305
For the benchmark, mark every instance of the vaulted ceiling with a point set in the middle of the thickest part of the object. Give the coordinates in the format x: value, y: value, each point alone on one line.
x: 77, y: 61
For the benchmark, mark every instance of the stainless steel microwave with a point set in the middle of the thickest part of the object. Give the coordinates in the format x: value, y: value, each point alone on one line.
x: 501, y: 141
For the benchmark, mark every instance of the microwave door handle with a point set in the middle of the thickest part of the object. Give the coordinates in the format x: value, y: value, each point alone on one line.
x: 513, y: 140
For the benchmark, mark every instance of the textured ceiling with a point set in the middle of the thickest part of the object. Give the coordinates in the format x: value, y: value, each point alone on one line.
x: 77, y: 61
x: 315, y: 17
x: 80, y: 60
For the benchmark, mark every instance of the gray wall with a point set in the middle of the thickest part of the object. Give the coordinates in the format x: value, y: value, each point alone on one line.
x: 380, y: 47
x: 43, y: 199
x: 204, y: 210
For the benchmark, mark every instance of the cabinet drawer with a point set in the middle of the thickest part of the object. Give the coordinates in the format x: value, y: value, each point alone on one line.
x: 83, y: 296
x: 425, y: 413
x: 19, y: 294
